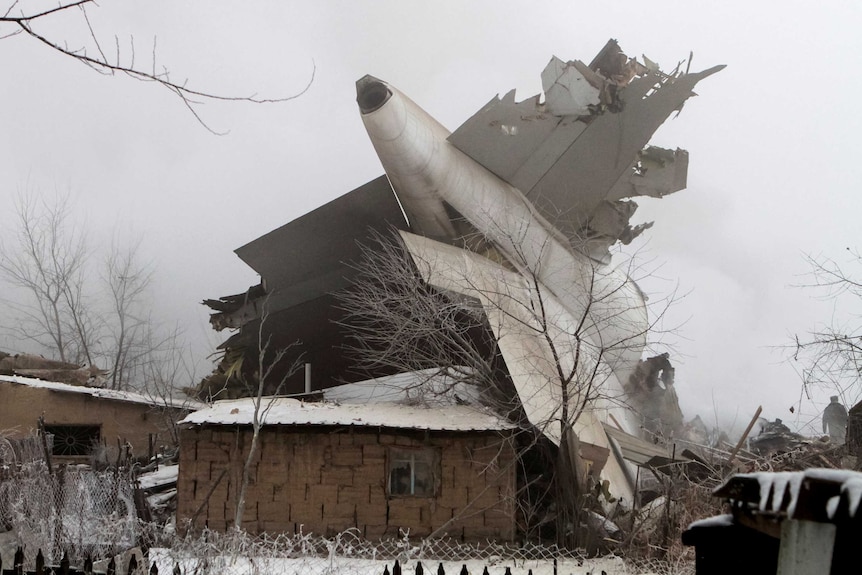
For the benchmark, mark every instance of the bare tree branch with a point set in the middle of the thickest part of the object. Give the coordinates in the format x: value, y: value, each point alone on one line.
x: 265, y: 367
x: 189, y: 97
x: 830, y: 355
x: 400, y: 322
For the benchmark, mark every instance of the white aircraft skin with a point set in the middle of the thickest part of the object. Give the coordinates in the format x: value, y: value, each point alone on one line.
x: 532, y: 366
x: 425, y: 169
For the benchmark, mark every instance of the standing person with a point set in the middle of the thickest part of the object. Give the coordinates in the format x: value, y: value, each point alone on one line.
x: 835, y: 420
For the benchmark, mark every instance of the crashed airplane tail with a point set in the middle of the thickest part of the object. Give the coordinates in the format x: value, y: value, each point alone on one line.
x: 544, y: 184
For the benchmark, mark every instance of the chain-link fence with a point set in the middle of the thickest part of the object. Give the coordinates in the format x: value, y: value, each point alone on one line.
x: 21, y: 451
x: 348, y: 553
x: 90, y: 513
x: 351, y: 543
x: 75, y: 510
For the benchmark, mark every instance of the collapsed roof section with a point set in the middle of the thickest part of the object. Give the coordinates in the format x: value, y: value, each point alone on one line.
x: 34, y: 366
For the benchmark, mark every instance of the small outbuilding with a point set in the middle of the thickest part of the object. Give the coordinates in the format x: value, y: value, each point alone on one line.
x: 86, y: 420
x: 323, y: 467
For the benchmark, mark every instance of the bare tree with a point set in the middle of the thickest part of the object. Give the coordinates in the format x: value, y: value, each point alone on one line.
x: 831, y: 354
x: 167, y: 373
x: 70, y: 309
x: 47, y: 262
x: 398, y: 322
x: 268, y: 360
x: 25, y: 20
x: 128, y: 329
x: 455, y: 314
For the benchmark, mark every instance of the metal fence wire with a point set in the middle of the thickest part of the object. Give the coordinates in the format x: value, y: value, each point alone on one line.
x: 21, y: 451
x: 76, y: 509
x: 350, y: 543
x: 347, y: 553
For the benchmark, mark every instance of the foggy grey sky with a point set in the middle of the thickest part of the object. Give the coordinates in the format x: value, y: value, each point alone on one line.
x: 773, y: 140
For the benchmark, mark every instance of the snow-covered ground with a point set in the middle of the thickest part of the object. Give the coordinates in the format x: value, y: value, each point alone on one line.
x: 223, y: 565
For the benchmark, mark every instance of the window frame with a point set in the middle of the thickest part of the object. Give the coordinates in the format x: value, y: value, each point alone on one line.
x: 428, y: 455
x: 92, y: 430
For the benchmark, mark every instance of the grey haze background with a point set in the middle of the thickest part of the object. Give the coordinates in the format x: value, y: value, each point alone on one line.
x: 774, y: 143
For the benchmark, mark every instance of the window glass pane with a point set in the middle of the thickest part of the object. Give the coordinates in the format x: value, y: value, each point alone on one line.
x: 399, y: 478
x: 412, y: 472
x: 423, y: 479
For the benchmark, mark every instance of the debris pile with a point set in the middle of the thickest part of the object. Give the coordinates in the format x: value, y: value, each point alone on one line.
x: 674, y: 495
x: 38, y: 367
x: 650, y: 389
x: 158, y: 487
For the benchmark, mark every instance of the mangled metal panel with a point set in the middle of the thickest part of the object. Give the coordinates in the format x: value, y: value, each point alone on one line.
x: 568, y: 92
x: 584, y: 145
x: 504, y: 135
x: 634, y: 448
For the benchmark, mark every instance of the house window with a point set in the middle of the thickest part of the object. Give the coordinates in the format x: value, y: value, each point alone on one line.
x: 73, y: 440
x: 413, y: 472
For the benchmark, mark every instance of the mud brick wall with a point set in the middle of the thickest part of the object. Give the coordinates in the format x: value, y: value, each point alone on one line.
x: 21, y: 405
x: 324, y: 480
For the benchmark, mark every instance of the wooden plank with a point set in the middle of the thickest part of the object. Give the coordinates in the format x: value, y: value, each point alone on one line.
x: 806, y: 548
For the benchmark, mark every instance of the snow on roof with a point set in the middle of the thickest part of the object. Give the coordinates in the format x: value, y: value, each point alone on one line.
x: 427, y: 387
x: 128, y: 396
x: 288, y: 411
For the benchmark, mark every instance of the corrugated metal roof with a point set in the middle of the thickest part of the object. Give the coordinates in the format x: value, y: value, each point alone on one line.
x: 287, y: 411
x: 128, y: 396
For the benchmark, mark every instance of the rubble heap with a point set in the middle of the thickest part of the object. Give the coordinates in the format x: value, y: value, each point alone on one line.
x: 38, y: 367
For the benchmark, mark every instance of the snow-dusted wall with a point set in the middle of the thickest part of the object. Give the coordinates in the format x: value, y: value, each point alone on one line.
x: 324, y: 480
